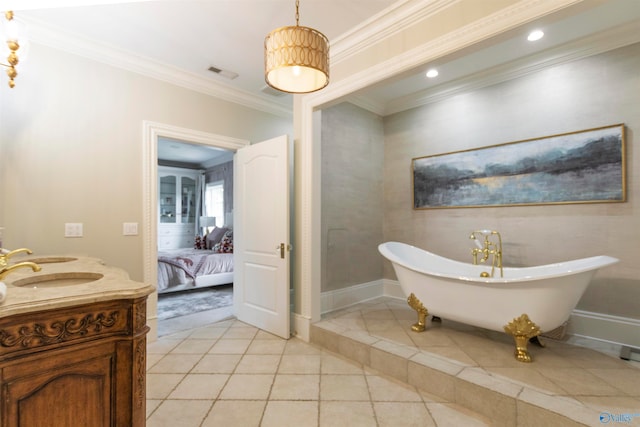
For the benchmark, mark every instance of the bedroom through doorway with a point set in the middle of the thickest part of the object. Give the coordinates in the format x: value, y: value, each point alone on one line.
x: 195, y: 234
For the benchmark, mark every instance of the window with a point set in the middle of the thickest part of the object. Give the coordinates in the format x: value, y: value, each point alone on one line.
x: 214, y: 201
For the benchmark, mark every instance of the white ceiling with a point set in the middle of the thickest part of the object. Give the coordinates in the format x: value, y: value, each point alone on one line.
x: 180, y: 153
x: 192, y: 35
x: 587, y: 29
x: 178, y: 38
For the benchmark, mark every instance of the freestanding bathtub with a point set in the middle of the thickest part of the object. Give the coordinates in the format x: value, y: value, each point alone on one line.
x: 524, y: 303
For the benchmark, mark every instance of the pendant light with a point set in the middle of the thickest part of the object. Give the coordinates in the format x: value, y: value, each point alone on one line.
x: 296, y: 59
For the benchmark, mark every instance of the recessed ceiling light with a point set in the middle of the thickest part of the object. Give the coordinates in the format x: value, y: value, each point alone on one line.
x: 535, y: 35
x: 432, y: 73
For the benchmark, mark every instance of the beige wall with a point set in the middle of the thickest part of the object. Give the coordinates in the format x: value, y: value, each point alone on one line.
x: 71, y: 151
x: 593, y: 92
x: 352, y: 160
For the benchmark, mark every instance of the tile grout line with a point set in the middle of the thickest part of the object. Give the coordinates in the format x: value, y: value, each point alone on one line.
x: 273, y: 380
x: 190, y: 370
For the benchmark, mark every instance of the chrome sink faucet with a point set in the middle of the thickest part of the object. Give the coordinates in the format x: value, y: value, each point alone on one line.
x: 487, y: 248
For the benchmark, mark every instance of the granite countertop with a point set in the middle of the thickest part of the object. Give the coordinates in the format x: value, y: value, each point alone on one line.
x: 97, y: 282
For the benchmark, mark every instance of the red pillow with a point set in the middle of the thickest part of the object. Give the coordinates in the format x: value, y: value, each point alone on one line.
x: 226, y: 244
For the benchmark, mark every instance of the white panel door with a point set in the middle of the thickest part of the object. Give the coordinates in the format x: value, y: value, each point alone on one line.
x: 261, y: 235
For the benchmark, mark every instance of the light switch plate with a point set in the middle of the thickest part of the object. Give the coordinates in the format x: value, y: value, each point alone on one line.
x: 130, y: 228
x: 73, y: 229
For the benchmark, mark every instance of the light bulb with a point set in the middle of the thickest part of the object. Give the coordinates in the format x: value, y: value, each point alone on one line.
x: 535, y: 35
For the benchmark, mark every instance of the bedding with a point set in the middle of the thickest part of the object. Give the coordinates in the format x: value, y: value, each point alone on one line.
x: 182, y: 269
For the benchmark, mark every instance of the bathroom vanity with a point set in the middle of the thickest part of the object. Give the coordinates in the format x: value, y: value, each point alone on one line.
x: 73, y: 346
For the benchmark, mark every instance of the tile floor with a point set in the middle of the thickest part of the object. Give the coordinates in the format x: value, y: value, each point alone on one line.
x: 231, y: 374
x: 475, y: 368
x: 365, y: 367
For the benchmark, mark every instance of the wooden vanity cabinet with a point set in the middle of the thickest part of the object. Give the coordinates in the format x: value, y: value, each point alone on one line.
x: 75, y: 367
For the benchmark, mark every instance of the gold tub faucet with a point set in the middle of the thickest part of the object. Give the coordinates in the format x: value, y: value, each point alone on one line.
x: 488, y: 248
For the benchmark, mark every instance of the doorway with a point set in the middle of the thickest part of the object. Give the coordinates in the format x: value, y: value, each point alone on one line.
x: 153, y: 132
x: 195, y: 235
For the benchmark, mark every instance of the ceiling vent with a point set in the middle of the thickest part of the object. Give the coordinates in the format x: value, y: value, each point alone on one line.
x: 271, y: 91
x: 224, y: 73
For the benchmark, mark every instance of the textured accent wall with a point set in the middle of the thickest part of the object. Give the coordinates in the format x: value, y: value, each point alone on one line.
x: 352, y: 159
x: 597, y: 91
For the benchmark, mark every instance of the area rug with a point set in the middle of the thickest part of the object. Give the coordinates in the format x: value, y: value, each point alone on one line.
x: 178, y: 304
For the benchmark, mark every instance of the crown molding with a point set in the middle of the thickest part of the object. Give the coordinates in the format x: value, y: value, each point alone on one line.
x: 43, y: 34
x: 385, y: 24
x: 369, y: 104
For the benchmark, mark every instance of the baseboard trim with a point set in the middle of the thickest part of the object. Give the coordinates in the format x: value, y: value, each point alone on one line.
x: 345, y: 297
x: 605, y: 327
x: 618, y: 330
x: 301, y: 327
x: 393, y: 289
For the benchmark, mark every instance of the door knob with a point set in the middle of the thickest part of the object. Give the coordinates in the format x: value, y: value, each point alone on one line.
x: 282, y: 247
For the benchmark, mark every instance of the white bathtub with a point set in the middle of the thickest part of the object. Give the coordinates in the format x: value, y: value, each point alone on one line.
x: 454, y: 290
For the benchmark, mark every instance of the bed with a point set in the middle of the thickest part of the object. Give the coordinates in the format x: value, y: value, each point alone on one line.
x: 183, y: 269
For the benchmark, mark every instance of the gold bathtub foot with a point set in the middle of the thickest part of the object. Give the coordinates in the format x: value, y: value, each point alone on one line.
x: 522, y: 329
x: 415, y: 303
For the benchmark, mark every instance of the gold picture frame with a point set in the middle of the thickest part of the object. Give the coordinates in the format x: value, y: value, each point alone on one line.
x: 586, y: 166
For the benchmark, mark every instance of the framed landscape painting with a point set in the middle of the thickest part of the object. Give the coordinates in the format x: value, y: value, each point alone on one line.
x: 579, y: 167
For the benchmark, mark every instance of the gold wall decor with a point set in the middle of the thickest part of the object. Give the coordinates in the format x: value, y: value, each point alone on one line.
x: 13, y: 33
x: 578, y: 167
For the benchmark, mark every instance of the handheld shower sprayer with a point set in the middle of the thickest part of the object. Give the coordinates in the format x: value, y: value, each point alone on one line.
x: 487, y: 248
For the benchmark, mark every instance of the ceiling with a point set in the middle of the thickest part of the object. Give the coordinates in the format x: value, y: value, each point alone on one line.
x: 585, y: 29
x: 181, y: 154
x: 190, y: 36
x: 178, y: 40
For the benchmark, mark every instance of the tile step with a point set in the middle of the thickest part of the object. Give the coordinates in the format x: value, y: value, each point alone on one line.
x: 503, y: 401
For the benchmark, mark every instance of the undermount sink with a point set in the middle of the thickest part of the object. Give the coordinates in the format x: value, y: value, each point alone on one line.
x: 52, y: 259
x: 56, y: 280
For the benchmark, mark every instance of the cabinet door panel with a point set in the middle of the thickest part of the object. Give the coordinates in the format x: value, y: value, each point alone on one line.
x: 61, y: 394
x: 188, y: 200
x: 167, y: 199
